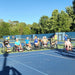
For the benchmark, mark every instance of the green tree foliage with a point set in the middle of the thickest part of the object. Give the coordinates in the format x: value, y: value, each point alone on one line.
x: 27, y: 31
x: 35, y: 28
x: 64, y: 22
x: 69, y: 10
x: 43, y: 24
x: 4, y: 29
x: 21, y: 28
x: 53, y: 21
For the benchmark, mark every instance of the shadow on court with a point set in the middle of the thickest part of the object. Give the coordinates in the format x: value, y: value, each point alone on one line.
x: 70, y: 54
x: 7, y: 69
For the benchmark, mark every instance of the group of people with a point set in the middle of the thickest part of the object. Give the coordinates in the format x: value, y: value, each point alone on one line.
x: 37, y: 42
x: 18, y: 45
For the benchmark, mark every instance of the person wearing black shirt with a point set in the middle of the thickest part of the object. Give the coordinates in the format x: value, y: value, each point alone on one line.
x: 6, y: 44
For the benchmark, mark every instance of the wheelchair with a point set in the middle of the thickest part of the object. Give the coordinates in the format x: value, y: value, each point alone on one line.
x: 26, y: 47
x: 15, y: 48
x: 45, y: 45
x: 6, y: 49
x: 36, y: 47
x: 53, y: 45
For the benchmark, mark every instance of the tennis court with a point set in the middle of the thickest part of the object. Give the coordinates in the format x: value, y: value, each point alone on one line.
x: 47, y: 62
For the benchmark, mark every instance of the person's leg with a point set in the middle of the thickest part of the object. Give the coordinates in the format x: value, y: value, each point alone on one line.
x: 29, y: 45
x: 20, y: 46
x: 36, y: 44
x: 56, y: 44
x: 8, y: 45
x: 45, y: 44
x: 56, y: 41
x: 8, y: 48
x: 70, y: 48
x: 66, y: 47
x: 65, y: 44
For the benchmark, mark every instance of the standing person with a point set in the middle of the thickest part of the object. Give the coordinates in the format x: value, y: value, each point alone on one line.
x: 65, y: 38
x: 56, y: 38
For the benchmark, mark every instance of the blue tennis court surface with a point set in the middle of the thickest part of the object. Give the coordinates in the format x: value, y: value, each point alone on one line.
x: 47, y: 62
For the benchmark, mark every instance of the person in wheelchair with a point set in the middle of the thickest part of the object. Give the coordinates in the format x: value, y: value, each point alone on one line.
x: 44, y: 41
x: 27, y: 42
x: 6, y: 45
x: 18, y: 45
x: 55, y: 37
x: 52, y: 42
x: 36, y: 42
x: 68, y: 45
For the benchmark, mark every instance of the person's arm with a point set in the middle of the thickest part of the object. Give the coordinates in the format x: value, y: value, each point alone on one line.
x: 64, y: 38
x: 29, y: 41
x: 47, y: 40
x: 38, y: 41
x: 3, y: 44
x: 41, y: 40
x: 16, y: 44
x: 25, y: 42
x: 8, y: 41
x: 70, y: 44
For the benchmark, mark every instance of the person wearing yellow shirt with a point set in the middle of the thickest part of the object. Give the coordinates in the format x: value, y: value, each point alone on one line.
x: 8, y: 37
x: 55, y: 37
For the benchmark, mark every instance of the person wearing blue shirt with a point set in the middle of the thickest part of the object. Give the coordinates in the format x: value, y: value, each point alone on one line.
x: 18, y: 44
x: 36, y: 41
x: 27, y: 42
x: 65, y: 38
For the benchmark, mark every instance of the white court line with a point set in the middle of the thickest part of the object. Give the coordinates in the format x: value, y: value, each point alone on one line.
x: 58, y: 56
x: 29, y: 67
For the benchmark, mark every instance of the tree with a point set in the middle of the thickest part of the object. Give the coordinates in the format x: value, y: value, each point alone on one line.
x: 53, y: 22
x: 35, y: 28
x: 69, y: 11
x: 43, y: 24
x: 4, y: 29
x: 21, y: 28
x: 27, y: 31
x: 64, y: 22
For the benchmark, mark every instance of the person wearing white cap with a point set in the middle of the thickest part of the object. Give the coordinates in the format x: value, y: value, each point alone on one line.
x: 18, y: 44
x: 44, y: 41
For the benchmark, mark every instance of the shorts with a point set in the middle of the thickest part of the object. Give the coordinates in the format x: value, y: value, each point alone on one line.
x: 36, y: 43
x: 44, y: 43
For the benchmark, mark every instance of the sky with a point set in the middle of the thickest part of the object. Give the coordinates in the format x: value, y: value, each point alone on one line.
x: 30, y: 11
